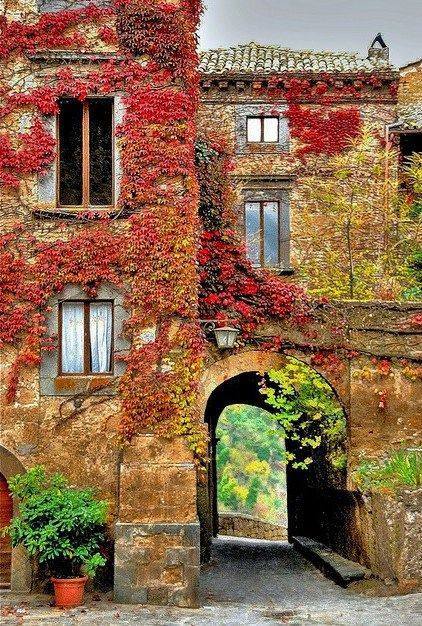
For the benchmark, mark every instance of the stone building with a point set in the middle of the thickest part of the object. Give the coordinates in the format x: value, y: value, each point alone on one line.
x: 239, y: 95
x: 62, y: 416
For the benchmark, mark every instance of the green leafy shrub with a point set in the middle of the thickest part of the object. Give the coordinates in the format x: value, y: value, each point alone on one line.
x: 61, y: 526
x: 402, y: 468
x: 307, y: 413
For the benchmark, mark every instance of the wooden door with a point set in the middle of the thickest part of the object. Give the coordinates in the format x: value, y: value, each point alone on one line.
x: 6, y: 513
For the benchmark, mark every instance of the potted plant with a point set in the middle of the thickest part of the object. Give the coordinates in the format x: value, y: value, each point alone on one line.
x: 62, y: 527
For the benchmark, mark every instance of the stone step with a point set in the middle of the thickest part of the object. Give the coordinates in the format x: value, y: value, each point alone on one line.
x: 336, y: 567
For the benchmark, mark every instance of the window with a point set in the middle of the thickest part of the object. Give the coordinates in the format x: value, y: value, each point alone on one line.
x: 85, y: 153
x: 262, y: 226
x: 85, y: 333
x: 410, y: 143
x: 262, y: 129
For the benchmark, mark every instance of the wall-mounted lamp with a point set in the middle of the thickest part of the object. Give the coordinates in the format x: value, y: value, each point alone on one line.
x: 225, y: 336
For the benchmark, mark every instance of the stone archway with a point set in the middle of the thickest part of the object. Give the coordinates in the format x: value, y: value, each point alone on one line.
x: 21, y: 573
x: 233, y: 380
x: 259, y: 361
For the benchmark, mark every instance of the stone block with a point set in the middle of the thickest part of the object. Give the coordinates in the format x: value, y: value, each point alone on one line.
x: 157, y: 563
x: 149, y: 448
x: 176, y: 556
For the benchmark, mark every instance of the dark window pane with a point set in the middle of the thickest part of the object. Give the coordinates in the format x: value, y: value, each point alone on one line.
x: 70, y: 157
x: 100, y: 152
x: 271, y: 234
x: 253, y: 231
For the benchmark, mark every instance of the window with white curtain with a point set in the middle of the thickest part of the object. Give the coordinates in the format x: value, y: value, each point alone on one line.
x: 86, y: 337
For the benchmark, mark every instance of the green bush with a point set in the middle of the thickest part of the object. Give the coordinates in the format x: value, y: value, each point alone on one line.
x: 61, y: 526
x: 401, y: 469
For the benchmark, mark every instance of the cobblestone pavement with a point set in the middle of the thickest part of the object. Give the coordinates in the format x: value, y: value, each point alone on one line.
x: 248, y: 583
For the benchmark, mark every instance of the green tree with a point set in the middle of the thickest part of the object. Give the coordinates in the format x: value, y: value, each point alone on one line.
x: 361, y: 225
x: 251, y: 464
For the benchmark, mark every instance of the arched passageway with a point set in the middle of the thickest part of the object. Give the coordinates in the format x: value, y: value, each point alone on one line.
x: 313, y: 495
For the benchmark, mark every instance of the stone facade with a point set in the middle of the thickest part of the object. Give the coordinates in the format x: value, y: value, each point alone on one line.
x: 235, y: 85
x: 151, y: 483
x: 70, y: 424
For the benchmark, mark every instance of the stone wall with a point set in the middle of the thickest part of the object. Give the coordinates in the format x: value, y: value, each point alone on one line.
x: 311, y: 248
x: 390, y: 526
x: 236, y: 525
x: 157, y: 535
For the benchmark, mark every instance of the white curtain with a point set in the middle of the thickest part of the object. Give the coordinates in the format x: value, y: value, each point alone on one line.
x: 100, y: 327
x: 72, y: 337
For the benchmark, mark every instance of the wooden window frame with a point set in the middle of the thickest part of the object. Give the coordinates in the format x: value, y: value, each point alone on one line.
x: 86, y: 206
x: 87, y: 339
x: 262, y: 118
x: 261, y: 230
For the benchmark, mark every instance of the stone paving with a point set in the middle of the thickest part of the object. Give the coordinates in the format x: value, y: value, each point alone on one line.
x: 249, y: 582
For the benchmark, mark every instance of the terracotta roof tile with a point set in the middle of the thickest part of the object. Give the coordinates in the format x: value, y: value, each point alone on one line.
x: 253, y: 58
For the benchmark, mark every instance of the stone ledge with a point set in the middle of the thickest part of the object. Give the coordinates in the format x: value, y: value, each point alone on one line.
x: 190, y: 530
x: 337, y: 568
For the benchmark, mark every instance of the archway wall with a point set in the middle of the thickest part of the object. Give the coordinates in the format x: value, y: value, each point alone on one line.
x: 381, y: 394
x: 382, y: 404
x: 233, y: 379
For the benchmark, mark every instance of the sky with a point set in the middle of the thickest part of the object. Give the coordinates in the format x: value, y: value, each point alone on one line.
x: 316, y: 24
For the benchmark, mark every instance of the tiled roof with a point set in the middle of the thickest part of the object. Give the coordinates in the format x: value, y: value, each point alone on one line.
x: 410, y: 116
x: 254, y: 58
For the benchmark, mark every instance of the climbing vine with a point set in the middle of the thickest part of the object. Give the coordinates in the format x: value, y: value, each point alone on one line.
x: 152, y: 257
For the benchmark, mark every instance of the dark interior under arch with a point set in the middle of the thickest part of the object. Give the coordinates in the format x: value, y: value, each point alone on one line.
x: 318, y: 507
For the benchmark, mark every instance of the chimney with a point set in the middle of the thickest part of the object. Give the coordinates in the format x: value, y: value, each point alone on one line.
x: 378, y: 50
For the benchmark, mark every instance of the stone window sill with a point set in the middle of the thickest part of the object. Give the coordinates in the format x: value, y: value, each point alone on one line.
x: 102, y: 383
x: 263, y: 148
x: 59, y: 213
x: 288, y: 271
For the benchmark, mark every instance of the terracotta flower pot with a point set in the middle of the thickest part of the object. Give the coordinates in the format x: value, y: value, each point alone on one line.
x: 69, y: 592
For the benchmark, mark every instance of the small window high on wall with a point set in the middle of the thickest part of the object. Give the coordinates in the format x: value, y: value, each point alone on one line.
x: 86, y: 337
x: 85, y: 153
x: 262, y: 225
x: 262, y: 129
